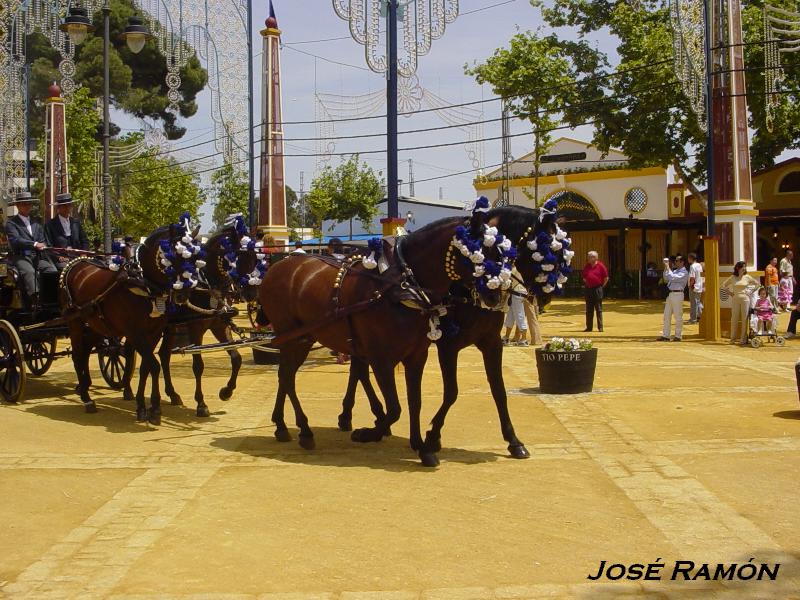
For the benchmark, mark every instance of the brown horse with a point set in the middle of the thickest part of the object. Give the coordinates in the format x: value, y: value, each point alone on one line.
x: 96, y: 301
x: 222, y: 288
x: 308, y: 299
x: 468, y: 324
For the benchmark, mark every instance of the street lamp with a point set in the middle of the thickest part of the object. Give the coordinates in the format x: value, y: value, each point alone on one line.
x: 77, y: 26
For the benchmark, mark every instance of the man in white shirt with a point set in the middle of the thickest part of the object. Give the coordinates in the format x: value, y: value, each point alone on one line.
x: 696, y: 288
x: 786, y: 268
x: 298, y: 248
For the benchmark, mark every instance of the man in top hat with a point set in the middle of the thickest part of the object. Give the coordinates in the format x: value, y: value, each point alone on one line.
x: 63, y: 230
x: 26, y: 238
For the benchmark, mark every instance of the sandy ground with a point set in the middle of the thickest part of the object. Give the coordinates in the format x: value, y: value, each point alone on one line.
x: 683, y: 452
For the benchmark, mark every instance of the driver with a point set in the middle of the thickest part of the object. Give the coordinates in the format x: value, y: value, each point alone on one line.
x: 25, y: 238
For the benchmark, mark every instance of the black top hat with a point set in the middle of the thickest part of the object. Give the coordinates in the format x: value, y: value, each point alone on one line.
x: 22, y: 197
x: 63, y: 199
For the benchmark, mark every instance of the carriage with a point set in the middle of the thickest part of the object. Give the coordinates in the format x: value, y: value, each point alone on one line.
x: 30, y: 334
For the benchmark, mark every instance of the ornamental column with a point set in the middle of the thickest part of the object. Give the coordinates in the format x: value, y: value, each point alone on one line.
x: 56, y: 162
x: 272, y: 196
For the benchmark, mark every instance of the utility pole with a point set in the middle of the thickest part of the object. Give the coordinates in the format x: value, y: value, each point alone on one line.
x: 302, y: 199
x: 411, y: 177
x: 391, y: 117
x: 505, y: 195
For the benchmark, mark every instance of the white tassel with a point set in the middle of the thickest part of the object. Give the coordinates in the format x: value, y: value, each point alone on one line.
x: 538, y: 256
x: 177, y: 285
x: 435, y: 333
x: 560, y: 233
x: 477, y: 257
x: 165, y: 262
x: 489, y: 240
x: 555, y: 246
x: 505, y: 245
x: 200, y: 264
x: 113, y: 266
x: 186, y: 254
x: 548, y: 289
x: 480, y: 271
x: 506, y: 284
x: 493, y: 283
x: 548, y: 267
x: 369, y: 262
x: 562, y: 279
x: 505, y: 275
x: 532, y: 245
x: 186, y: 239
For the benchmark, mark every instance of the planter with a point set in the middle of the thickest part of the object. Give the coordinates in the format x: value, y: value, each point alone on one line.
x: 566, y: 372
x: 266, y: 357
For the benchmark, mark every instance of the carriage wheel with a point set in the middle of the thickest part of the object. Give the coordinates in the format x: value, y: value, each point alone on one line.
x: 12, y: 370
x: 755, y: 342
x: 39, y: 356
x: 780, y: 341
x: 252, y: 313
x: 117, y: 363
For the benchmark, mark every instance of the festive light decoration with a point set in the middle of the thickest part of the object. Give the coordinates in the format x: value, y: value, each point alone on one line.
x: 688, y: 44
x: 422, y: 22
x: 781, y: 36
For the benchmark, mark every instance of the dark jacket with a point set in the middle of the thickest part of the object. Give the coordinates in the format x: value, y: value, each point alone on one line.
x: 19, y: 240
x: 54, y: 233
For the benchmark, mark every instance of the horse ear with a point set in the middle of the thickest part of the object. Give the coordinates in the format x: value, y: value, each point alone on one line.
x: 493, y: 221
x: 195, y: 231
x: 476, y: 223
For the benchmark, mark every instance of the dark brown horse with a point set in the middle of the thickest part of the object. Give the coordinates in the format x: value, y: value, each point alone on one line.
x: 308, y: 299
x: 98, y: 301
x: 468, y: 324
x: 224, y: 283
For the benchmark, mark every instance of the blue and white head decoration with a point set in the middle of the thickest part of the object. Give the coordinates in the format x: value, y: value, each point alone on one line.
x: 116, y: 261
x: 375, y: 246
x: 551, y: 253
x: 182, y: 258
x: 488, y: 274
x: 246, y: 244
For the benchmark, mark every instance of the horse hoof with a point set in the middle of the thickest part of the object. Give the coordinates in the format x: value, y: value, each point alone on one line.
x: 127, y: 395
x: 283, y: 435
x: 154, y: 418
x: 429, y: 459
x: 365, y: 435
x: 433, y: 444
x: 519, y: 451
x: 388, y: 429
x: 225, y: 393
x: 202, y: 411
x: 307, y: 442
x: 345, y: 425
x: 90, y: 406
x: 176, y: 400
x: 141, y: 415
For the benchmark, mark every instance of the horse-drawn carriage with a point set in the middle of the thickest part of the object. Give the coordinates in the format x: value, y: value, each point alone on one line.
x: 30, y: 330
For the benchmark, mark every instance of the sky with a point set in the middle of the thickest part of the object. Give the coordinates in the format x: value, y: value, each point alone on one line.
x: 339, y: 68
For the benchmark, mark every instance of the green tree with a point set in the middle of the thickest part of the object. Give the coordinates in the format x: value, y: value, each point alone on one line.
x: 137, y: 81
x: 229, y: 192
x: 82, y: 120
x: 641, y: 108
x: 537, y: 75
x: 349, y: 191
x: 154, y: 191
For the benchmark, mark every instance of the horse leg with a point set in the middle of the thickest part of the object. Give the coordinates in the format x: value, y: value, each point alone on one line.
x: 296, y: 359
x: 414, y: 366
x: 196, y: 332
x: 222, y: 332
x: 384, y: 375
x: 359, y: 372
x: 165, y: 354
x: 492, y: 350
x: 81, y: 350
x: 144, y: 370
x: 154, y: 414
x: 130, y: 354
x: 287, y: 367
x: 448, y: 363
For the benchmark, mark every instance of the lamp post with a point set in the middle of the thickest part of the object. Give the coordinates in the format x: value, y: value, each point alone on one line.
x: 78, y: 26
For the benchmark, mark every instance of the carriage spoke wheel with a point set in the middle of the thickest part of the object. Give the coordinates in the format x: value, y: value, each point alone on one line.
x: 39, y: 355
x: 117, y: 363
x: 12, y: 369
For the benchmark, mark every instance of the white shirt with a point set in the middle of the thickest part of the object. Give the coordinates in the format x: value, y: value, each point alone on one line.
x: 27, y: 222
x: 696, y: 271
x: 787, y: 267
x: 65, y: 225
x: 298, y: 251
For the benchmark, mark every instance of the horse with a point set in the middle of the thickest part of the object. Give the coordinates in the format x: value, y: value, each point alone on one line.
x: 100, y: 299
x: 469, y: 324
x: 350, y: 309
x: 230, y: 265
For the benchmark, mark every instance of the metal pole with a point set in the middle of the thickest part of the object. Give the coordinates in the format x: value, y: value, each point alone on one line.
x: 106, y: 130
x: 391, y: 112
x: 27, y: 122
x: 251, y: 202
x: 711, y: 222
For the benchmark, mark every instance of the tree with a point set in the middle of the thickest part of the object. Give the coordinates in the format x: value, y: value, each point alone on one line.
x: 536, y: 76
x: 638, y: 105
x: 154, y: 191
x: 137, y: 81
x: 230, y: 192
x: 82, y: 119
x: 298, y: 216
x: 351, y: 190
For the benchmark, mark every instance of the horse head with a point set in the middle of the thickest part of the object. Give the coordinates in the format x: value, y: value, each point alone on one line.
x: 543, y: 249
x: 234, y: 259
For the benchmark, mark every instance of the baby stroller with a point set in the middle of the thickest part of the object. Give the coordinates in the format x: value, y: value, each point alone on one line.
x: 760, y: 331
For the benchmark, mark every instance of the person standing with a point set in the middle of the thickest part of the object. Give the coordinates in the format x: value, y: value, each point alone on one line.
x: 771, y: 281
x: 595, y: 278
x: 787, y: 268
x: 741, y: 286
x: 696, y: 288
x: 65, y: 231
x: 26, y: 240
x: 298, y: 248
x: 676, y: 280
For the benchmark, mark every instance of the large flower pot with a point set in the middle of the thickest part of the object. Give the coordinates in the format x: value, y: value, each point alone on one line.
x: 566, y: 372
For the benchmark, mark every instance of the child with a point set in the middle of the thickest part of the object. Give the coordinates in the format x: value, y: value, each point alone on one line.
x: 765, y: 312
x: 785, y: 292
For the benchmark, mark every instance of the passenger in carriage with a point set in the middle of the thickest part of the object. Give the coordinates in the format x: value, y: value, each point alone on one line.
x: 65, y: 231
x: 26, y: 240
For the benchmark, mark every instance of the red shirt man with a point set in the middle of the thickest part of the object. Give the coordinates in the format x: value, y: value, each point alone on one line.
x: 595, y: 276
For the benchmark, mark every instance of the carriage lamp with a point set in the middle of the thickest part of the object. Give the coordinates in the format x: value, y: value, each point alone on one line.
x: 77, y: 25
x: 136, y: 34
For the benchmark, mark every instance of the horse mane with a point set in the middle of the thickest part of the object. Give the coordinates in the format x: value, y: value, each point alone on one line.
x: 513, y: 221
